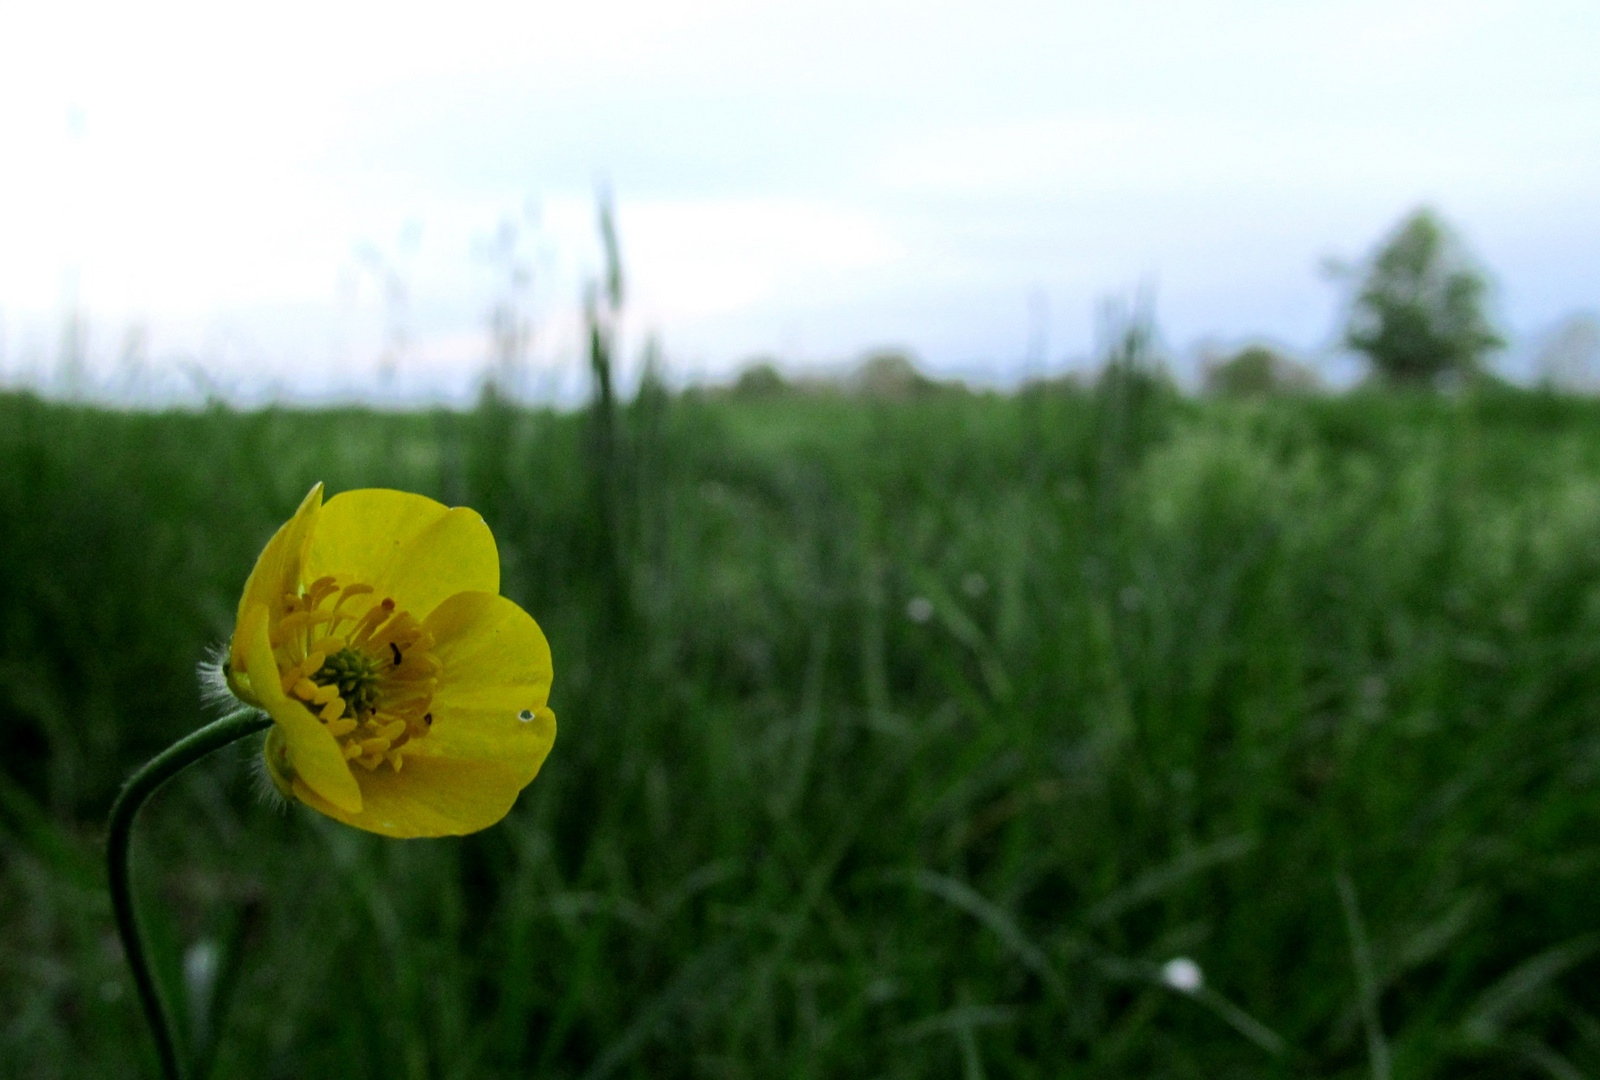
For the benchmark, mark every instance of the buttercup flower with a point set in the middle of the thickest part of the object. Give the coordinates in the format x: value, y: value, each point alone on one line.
x: 408, y: 697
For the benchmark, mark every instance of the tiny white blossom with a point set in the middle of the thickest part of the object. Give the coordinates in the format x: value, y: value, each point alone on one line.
x: 919, y: 609
x: 1182, y: 974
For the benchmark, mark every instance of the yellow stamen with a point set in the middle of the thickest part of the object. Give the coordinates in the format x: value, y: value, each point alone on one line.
x: 351, y: 750
x: 370, y: 622
x: 374, y: 746
x: 319, y: 591
x: 342, y: 726
x: 349, y: 591
x: 288, y: 625
x: 419, y: 665
x: 333, y: 709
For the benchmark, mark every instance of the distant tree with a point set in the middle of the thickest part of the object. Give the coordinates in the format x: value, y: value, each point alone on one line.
x: 1569, y: 357
x: 1257, y: 371
x: 1420, y: 315
x: 760, y: 379
x: 892, y: 374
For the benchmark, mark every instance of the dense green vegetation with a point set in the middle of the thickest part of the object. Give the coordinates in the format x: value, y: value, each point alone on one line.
x: 898, y: 738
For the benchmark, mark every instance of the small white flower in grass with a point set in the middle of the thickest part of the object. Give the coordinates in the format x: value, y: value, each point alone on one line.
x: 1182, y: 974
x: 919, y: 609
x: 200, y: 963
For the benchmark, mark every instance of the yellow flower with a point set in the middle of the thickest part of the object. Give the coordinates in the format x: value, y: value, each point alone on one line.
x: 407, y: 696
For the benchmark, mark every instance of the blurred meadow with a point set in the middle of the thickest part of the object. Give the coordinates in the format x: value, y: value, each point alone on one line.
x: 910, y: 731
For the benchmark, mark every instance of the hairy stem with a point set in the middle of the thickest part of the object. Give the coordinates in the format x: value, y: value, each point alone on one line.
x: 186, y: 751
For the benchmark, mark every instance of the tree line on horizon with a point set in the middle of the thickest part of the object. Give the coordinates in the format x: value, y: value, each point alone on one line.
x: 1419, y: 316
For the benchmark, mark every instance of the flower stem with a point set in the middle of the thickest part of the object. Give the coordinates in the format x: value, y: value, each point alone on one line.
x: 186, y: 751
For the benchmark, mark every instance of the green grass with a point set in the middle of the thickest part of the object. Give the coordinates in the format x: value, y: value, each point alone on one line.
x: 1305, y: 689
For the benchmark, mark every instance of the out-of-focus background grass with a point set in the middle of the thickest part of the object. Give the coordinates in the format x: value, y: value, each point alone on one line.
x: 905, y: 732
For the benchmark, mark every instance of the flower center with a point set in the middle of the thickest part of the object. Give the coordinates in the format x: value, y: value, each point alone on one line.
x: 364, y: 669
x: 355, y: 673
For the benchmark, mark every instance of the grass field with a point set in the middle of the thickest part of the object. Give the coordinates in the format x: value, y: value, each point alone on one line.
x: 898, y: 739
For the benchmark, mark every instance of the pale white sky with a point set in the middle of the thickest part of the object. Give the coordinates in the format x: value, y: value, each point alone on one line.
x: 305, y: 198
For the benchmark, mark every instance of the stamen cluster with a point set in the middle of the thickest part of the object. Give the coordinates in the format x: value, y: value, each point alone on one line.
x: 361, y: 667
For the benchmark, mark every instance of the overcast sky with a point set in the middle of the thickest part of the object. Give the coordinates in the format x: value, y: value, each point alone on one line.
x: 306, y: 198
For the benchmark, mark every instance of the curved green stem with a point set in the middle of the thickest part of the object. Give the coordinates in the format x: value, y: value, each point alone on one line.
x: 186, y: 751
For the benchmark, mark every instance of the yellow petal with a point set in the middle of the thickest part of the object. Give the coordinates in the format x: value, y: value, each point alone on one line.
x: 278, y: 567
x: 313, y: 753
x: 494, y: 682
x: 406, y: 546
x: 429, y: 797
